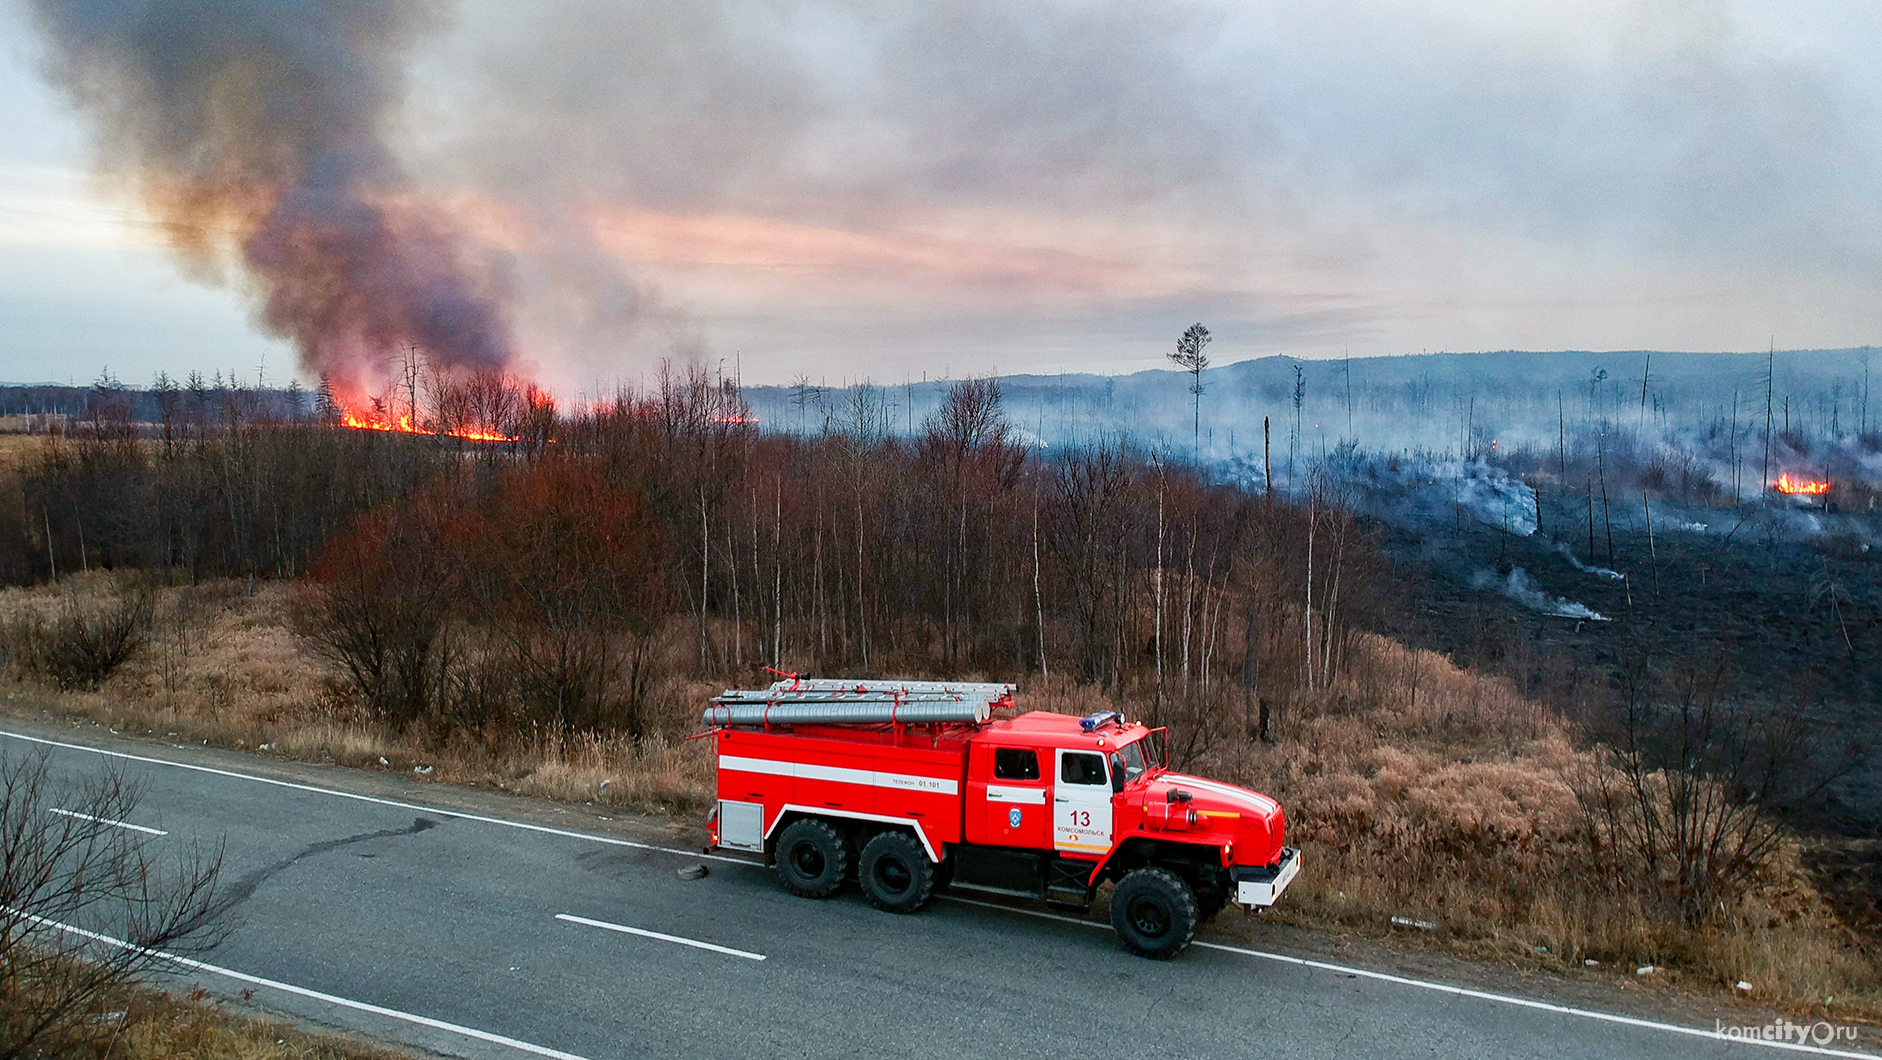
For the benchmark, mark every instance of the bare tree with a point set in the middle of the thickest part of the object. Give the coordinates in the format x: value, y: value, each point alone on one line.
x: 967, y: 440
x: 1190, y: 357
x: 86, y: 905
x: 1694, y: 789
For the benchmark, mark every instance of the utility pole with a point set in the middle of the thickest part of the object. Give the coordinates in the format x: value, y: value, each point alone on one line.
x: 411, y: 381
x: 1736, y: 495
x: 1863, y: 423
x: 1770, y: 365
x: 1644, y: 374
x: 1293, y: 441
x: 1267, y: 462
x: 1349, y: 394
x: 1607, y: 519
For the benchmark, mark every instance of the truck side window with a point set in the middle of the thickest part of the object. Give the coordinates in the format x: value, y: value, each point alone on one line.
x: 1015, y: 763
x: 1083, y: 769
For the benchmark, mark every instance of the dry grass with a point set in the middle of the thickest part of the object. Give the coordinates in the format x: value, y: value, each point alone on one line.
x: 1455, y: 805
x: 18, y: 450
x: 667, y: 775
x: 225, y: 669
x: 1460, y: 809
x: 151, y: 1025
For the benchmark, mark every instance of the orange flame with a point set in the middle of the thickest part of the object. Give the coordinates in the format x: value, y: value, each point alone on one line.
x: 1799, y: 486
x: 402, y: 424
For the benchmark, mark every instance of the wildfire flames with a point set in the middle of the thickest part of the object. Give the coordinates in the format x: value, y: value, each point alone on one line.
x: 1800, y: 486
x: 402, y: 424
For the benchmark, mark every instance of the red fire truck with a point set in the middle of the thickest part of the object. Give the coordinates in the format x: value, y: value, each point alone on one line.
x: 909, y: 786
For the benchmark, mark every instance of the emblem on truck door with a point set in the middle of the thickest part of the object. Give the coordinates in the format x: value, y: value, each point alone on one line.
x: 1012, y: 817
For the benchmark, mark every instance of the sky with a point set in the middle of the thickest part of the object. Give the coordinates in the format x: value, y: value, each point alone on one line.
x: 892, y: 191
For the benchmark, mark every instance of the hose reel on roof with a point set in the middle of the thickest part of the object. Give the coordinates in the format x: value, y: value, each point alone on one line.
x: 810, y: 701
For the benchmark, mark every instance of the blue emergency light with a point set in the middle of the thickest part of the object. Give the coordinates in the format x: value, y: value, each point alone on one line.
x: 1094, y: 722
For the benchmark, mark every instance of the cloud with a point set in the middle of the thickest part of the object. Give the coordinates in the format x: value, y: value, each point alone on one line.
x: 862, y: 187
x: 1562, y: 174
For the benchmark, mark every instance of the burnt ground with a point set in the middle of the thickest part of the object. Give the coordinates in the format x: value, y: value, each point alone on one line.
x: 1756, y: 602
x: 1759, y: 605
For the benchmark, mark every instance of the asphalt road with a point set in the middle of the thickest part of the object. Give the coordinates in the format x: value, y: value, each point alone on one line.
x: 392, y: 913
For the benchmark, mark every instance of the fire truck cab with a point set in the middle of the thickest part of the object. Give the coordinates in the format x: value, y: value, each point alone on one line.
x: 908, y: 788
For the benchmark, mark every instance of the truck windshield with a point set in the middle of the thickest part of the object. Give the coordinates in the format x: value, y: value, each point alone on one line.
x: 1133, y: 755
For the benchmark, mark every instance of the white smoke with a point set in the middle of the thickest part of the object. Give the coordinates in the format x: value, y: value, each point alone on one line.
x: 1519, y: 587
x: 1425, y: 490
x: 1601, y: 572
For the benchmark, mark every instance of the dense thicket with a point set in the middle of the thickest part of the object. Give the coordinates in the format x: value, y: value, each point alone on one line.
x: 848, y: 550
x: 260, y: 499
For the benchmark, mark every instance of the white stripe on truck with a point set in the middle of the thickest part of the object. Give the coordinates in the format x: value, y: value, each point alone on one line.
x: 1249, y: 799
x: 840, y: 774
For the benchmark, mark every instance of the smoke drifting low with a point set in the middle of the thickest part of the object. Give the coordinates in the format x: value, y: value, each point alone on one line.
x: 258, y: 132
x: 1520, y: 587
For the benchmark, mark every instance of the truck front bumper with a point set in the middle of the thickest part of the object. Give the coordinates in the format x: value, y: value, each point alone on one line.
x: 1261, y: 885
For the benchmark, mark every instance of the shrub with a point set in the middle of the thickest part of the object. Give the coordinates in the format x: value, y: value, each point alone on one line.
x: 536, y: 607
x: 86, y: 641
x: 567, y: 577
x: 378, y: 603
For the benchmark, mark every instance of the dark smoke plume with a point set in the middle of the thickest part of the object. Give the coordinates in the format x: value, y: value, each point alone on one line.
x: 257, y: 131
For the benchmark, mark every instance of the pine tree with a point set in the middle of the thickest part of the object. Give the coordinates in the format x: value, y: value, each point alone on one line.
x: 326, y: 410
x: 1190, y: 358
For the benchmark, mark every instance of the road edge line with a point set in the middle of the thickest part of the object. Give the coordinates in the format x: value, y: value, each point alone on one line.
x: 1457, y: 991
x: 302, y: 991
x: 395, y: 803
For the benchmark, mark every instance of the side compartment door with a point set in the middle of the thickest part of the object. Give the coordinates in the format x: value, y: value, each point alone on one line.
x: 1017, y: 799
x: 1081, y: 804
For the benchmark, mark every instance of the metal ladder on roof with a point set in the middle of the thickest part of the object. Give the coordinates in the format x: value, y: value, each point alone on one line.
x: 791, y: 689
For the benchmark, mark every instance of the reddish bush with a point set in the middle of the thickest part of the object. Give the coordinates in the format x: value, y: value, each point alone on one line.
x: 531, y: 607
x: 567, y: 571
x: 382, y: 595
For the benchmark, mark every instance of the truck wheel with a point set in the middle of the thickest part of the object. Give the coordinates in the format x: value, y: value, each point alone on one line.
x: 1154, y: 912
x: 813, y: 857
x: 895, y: 873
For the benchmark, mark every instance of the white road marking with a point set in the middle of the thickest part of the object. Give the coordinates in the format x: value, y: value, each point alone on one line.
x: 105, y: 820
x: 332, y: 999
x: 644, y: 933
x: 1458, y: 991
x: 1283, y: 958
x: 395, y: 803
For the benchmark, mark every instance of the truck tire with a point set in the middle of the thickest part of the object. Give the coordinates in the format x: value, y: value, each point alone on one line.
x: 895, y: 872
x: 813, y: 857
x: 1154, y: 912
